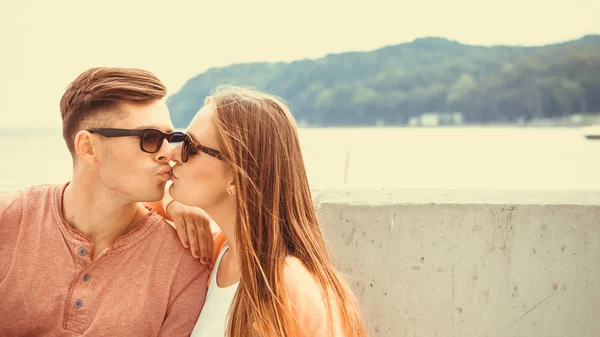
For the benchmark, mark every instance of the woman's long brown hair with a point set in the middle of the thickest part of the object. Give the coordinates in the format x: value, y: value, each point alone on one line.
x: 276, y: 218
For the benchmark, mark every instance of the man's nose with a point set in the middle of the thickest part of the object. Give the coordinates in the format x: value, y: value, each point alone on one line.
x: 165, y: 154
x: 177, y: 153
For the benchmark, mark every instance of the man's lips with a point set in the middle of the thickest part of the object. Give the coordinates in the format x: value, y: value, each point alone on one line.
x: 165, y: 173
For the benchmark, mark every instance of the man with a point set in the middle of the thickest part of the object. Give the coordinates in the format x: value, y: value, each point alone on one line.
x: 86, y: 258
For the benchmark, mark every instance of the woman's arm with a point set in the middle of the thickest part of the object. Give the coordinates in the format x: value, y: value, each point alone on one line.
x: 193, y: 226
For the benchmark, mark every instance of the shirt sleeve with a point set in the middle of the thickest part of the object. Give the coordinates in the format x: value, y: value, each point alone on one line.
x: 6, y: 200
x: 184, y: 310
x: 11, y: 212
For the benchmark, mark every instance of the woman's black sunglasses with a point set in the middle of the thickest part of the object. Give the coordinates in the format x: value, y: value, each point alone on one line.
x: 190, y: 147
x: 150, y: 139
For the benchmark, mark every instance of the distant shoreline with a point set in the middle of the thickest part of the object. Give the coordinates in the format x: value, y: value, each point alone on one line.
x: 13, y: 130
x: 571, y: 122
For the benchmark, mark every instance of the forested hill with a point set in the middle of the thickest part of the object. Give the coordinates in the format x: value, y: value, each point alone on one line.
x: 392, y: 84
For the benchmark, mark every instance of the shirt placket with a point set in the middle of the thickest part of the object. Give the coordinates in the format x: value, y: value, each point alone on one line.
x: 79, y: 302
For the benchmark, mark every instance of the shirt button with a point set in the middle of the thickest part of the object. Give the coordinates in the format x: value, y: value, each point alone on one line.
x: 85, y: 277
x: 78, y: 304
x: 82, y: 251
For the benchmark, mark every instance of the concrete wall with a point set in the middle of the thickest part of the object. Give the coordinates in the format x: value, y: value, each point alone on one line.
x: 470, y: 263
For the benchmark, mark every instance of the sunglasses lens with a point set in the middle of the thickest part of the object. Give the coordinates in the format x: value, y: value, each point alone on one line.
x: 185, y: 149
x: 152, y: 140
x: 177, y: 137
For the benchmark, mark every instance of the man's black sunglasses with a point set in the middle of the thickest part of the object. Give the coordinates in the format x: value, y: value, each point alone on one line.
x: 150, y: 139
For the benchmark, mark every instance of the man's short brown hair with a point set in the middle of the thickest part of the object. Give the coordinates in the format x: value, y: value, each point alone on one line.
x: 93, y: 97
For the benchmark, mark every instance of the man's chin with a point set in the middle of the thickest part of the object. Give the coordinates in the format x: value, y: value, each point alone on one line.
x: 154, y: 196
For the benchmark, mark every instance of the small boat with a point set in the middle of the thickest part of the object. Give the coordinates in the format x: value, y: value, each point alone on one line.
x: 592, y: 132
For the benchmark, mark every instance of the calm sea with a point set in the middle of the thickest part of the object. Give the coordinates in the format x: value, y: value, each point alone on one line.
x: 431, y: 158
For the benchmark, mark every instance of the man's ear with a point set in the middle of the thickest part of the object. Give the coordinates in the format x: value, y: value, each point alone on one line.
x: 86, y: 146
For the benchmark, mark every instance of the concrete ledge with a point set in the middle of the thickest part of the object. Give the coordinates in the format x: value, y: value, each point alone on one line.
x: 422, y: 196
x: 469, y: 263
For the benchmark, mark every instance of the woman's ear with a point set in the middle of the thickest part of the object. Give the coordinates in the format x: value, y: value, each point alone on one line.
x: 231, y: 188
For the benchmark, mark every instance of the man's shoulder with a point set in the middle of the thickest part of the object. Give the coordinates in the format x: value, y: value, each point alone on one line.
x: 34, y: 191
x: 9, y: 197
x: 172, y: 249
x: 38, y: 189
x: 9, y: 200
x: 16, y: 198
x: 179, y: 264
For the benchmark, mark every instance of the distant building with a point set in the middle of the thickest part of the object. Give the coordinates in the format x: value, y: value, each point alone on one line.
x: 437, y: 119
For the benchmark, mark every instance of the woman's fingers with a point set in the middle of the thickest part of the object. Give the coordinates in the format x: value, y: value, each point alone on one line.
x: 182, y: 231
x: 194, y: 230
x: 210, y: 244
x: 205, y: 252
x: 192, y: 236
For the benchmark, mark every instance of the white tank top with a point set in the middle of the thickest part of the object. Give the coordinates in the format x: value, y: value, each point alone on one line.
x: 213, y: 317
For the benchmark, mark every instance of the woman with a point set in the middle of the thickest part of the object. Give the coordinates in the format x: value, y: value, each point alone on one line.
x: 273, y: 275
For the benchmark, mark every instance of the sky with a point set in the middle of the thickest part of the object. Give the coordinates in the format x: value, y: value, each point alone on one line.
x: 46, y: 44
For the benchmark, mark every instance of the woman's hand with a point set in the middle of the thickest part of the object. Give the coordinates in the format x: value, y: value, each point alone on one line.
x: 194, y: 230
